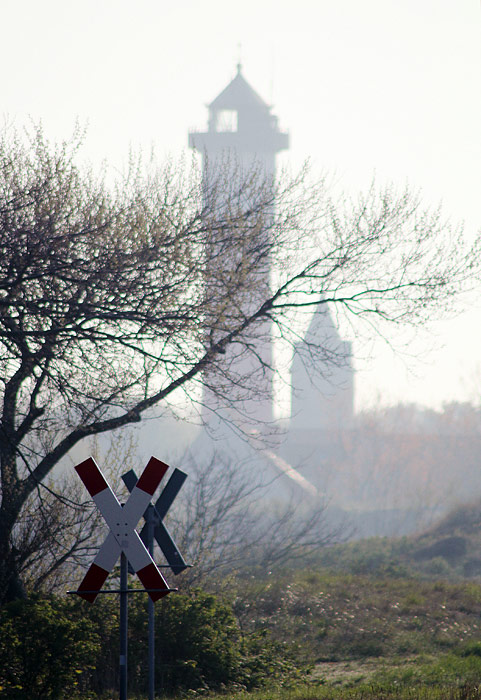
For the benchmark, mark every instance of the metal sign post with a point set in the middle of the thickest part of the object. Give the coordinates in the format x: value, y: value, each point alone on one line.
x: 124, y: 541
x: 155, y: 528
x: 150, y: 607
x: 124, y: 621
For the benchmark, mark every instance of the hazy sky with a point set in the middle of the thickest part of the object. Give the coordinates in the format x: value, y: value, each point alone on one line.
x: 384, y: 86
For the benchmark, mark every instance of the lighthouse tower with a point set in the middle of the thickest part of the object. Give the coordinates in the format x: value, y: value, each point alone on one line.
x: 241, y: 125
x: 243, y: 134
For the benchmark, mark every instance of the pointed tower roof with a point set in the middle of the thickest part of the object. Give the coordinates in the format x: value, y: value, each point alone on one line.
x: 324, y: 399
x: 321, y: 326
x: 242, y: 123
x: 238, y: 95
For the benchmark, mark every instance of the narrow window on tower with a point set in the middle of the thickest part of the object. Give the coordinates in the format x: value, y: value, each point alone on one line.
x: 227, y: 120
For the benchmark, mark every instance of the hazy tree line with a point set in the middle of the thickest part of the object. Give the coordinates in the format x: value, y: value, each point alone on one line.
x: 404, y: 466
x: 113, y: 297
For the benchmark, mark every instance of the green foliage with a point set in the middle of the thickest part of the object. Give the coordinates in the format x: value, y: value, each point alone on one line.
x: 373, y: 556
x: 470, y: 649
x: 198, y: 642
x: 103, y: 619
x: 449, y: 551
x: 394, y: 634
x: 43, y: 649
x: 199, y: 645
x: 267, y: 662
x: 50, y: 648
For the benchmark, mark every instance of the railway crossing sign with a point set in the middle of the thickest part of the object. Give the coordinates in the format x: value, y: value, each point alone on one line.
x: 122, y: 521
x: 158, y: 512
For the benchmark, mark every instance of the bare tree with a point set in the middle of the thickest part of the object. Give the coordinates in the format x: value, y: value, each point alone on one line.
x: 114, y: 297
x: 56, y: 533
x: 226, y: 520
x: 59, y: 528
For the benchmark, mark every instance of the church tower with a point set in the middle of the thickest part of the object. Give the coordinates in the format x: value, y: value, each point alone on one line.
x: 243, y: 135
x: 322, y: 400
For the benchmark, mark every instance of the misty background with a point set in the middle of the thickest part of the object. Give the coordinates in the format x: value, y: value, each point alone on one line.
x: 376, y: 89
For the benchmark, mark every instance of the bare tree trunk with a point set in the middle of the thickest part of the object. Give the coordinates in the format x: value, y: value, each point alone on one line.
x: 11, y: 586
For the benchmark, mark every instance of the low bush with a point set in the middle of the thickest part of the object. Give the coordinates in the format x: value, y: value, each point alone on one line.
x: 50, y: 648
x: 44, y: 650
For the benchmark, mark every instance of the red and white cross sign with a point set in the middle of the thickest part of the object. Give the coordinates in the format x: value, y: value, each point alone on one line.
x: 122, y: 537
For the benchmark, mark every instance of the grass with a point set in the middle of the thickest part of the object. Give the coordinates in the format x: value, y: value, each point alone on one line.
x: 365, y: 626
x: 340, y: 617
x: 364, y: 637
x: 361, y: 692
x: 375, y: 637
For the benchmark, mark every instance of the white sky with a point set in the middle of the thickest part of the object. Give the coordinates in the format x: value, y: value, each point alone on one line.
x: 384, y: 86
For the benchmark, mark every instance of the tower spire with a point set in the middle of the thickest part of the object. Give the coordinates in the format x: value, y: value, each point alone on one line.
x: 239, y: 58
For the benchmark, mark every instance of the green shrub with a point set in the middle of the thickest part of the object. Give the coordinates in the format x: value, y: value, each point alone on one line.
x: 199, y: 645
x: 50, y: 648
x: 43, y: 650
x: 103, y: 618
x: 198, y: 642
x: 470, y: 649
x: 266, y: 662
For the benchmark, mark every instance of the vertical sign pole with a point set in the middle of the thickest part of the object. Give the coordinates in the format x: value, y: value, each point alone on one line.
x: 123, y: 539
x: 123, y: 626
x: 150, y: 547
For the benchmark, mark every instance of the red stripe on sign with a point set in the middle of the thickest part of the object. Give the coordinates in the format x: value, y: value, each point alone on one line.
x: 93, y: 581
x: 151, y: 577
x: 152, y: 475
x: 92, y: 477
